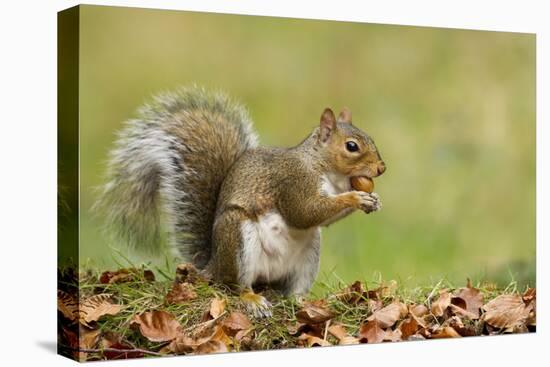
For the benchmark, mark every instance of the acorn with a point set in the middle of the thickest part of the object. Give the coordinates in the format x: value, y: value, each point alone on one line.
x: 362, y: 183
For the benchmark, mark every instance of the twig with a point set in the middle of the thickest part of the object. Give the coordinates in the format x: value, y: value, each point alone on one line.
x: 112, y: 350
x: 205, y: 324
x: 327, y: 323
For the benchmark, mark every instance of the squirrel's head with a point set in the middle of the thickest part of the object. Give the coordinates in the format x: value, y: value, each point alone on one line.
x: 349, y: 150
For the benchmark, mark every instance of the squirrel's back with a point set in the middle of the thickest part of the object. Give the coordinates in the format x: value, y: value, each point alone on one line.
x: 167, y: 168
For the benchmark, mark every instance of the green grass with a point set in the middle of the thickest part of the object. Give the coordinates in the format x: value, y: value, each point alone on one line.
x: 140, y: 295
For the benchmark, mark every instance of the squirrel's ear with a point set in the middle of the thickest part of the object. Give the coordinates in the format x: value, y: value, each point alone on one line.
x: 328, y: 124
x: 345, y: 116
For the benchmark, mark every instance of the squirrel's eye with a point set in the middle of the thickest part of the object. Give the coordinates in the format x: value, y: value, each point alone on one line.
x: 352, y: 146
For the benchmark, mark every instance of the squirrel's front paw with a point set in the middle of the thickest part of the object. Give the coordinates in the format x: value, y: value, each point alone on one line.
x: 255, y: 304
x: 368, y: 202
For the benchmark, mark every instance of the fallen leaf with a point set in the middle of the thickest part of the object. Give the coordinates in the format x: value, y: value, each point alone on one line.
x: 375, y: 304
x: 211, y: 346
x: 389, y: 289
x: 217, y: 306
x: 418, y: 313
x: 388, y: 315
x: 312, y: 341
x: 439, y: 306
x: 180, y: 293
x: 529, y: 295
x: 236, y: 322
x: 408, y: 327
x: 383, y: 291
x: 505, y: 311
x: 157, y: 326
x: 313, y: 313
x: 86, y: 339
x: 393, y: 335
x: 352, y: 294
x: 371, y: 332
x: 340, y: 333
x: 119, y: 276
x: 470, y: 299
x: 67, y: 305
x: 419, y: 310
x: 184, y: 344
x: 456, y: 323
x: 445, y: 332
x: 460, y: 311
x: 97, y: 306
x: 220, y: 335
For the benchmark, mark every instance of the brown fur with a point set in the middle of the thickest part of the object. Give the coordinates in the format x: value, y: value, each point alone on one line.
x: 288, y: 181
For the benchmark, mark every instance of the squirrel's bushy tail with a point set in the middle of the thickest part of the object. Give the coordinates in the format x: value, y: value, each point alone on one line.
x: 167, y: 168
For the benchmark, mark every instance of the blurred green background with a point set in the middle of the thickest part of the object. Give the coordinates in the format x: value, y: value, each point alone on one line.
x: 452, y: 112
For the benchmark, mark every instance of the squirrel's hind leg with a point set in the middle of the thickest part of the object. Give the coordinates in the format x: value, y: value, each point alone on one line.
x: 231, y: 258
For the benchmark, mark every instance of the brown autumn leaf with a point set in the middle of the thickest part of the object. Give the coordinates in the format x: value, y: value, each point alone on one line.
x: 393, y: 335
x: 97, y: 306
x: 236, y: 322
x: 383, y: 291
x: 220, y: 335
x: 445, y: 332
x: 456, y: 323
x: 308, y: 340
x: 352, y: 294
x: 439, y: 306
x: 529, y: 295
x: 217, y: 307
x: 184, y: 344
x: 119, y: 276
x: 87, y: 339
x: 375, y: 304
x: 314, y: 313
x: 125, y: 275
x: 460, y: 311
x: 340, y: 333
x: 180, y: 293
x: 419, y: 310
x: 157, y: 326
x: 388, y: 315
x: 470, y: 299
x: 418, y: 313
x: 203, y: 344
x: 214, y: 342
x: 211, y: 346
x: 371, y: 332
x: 506, y: 311
x: 67, y: 305
x: 408, y: 327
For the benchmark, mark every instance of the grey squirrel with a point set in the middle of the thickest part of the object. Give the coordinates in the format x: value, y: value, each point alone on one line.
x: 189, y: 171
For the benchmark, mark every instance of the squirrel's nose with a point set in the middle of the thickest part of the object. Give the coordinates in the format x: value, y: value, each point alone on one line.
x: 381, y: 167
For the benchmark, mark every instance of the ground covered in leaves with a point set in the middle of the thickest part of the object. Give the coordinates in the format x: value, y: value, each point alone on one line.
x: 128, y: 314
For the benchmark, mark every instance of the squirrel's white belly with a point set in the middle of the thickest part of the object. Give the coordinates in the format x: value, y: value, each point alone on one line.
x: 272, y: 250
